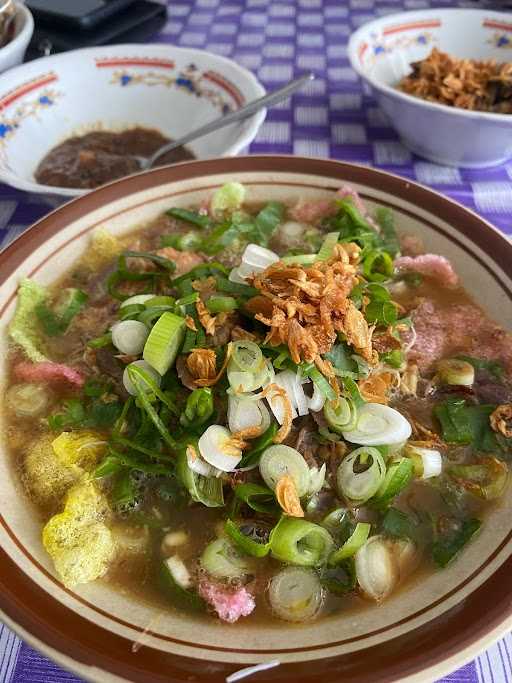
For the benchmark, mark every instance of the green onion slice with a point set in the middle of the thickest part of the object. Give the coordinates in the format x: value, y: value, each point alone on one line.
x: 327, y: 248
x: 257, y: 497
x: 352, y: 544
x: 361, y: 474
x: 295, y: 594
x: 300, y: 542
x: 164, y: 341
x: 278, y: 461
x: 223, y: 560
x: 340, y: 414
x: 244, y: 543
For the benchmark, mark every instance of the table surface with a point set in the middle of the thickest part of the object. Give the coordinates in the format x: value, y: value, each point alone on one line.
x: 334, y: 117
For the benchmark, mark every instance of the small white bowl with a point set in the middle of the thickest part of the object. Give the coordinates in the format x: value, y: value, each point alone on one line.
x: 381, y: 52
x: 172, y: 89
x: 13, y: 53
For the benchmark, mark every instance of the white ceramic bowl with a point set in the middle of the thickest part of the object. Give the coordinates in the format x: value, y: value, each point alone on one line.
x: 13, y: 53
x: 381, y: 52
x: 113, y: 88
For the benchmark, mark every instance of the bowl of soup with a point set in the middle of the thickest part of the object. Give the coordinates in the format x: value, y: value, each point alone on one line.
x: 74, y: 121
x: 256, y: 413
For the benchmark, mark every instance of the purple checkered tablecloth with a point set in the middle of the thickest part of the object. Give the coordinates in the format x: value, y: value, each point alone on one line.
x: 334, y: 117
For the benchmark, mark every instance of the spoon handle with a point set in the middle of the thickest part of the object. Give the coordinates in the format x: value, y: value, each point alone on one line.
x: 251, y: 108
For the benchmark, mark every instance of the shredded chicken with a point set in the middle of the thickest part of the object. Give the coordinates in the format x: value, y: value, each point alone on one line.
x: 501, y: 420
x: 305, y: 307
x: 287, y: 496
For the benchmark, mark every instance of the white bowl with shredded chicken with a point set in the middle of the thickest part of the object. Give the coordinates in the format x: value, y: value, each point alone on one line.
x: 382, y: 51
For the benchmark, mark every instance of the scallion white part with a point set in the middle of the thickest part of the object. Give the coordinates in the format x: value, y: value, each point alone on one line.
x: 378, y: 425
x: 136, y: 299
x: 299, y: 396
x: 129, y: 336
x: 285, y: 380
x: 376, y: 568
x: 432, y: 462
x: 317, y: 400
x: 361, y: 474
x: 316, y: 479
x: 244, y: 413
x: 258, y: 257
x: 235, y: 276
x: 216, y: 447
x: 178, y: 571
x: 278, y: 461
x: 146, y: 367
x: 200, y: 466
x: 295, y: 594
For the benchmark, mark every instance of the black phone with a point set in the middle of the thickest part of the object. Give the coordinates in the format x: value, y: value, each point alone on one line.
x: 77, y: 14
x: 135, y: 24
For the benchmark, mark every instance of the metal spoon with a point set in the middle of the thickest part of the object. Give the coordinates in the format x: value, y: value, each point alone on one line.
x: 238, y: 115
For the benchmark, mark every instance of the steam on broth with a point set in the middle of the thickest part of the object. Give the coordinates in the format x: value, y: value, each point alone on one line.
x: 259, y: 411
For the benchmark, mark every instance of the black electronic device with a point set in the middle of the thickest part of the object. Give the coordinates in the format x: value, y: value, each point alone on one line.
x: 75, y: 14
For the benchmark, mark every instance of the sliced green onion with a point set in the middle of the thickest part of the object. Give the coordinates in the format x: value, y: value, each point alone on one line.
x: 340, y: 414
x: 223, y: 560
x: 163, y: 300
x: 137, y: 300
x: 140, y: 385
x: 225, y: 285
x: 327, y: 248
x: 300, y: 259
x: 100, y: 342
x: 486, y: 479
x: 198, y: 409
x: 319, y: 381
x: 56, y: 322
x: 280, y: 460
x: 295, y: 594
x: 378, y: 266
x: 352, y: 544
x: 221, y: 304
x: 129, y: 336
x: 193, y: 217
x: 448, y: 546
x: 152, y: 383
x: 164, y: 342
x: 300, y: 542
x: 258, y: 498
x: 377, y: 568
x: 378, y: 425
x: 131, y: 312
x: 252, y: 456
x: 361, y: 474
x: 172, y: 588
x: 247, y: 356
x: 244, y: 543
x: 206, y: 490
x: 398, y: 477
x: 188, y: 299
x: 149, y: 315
